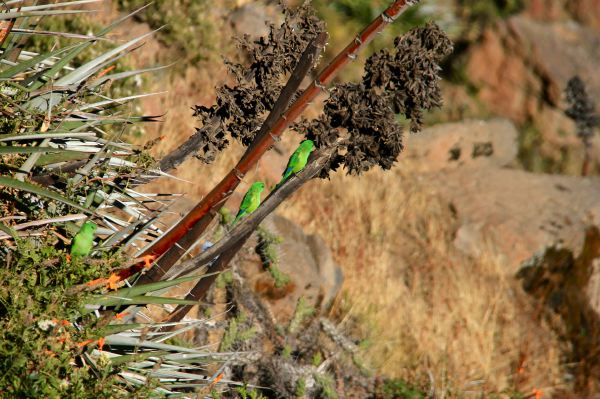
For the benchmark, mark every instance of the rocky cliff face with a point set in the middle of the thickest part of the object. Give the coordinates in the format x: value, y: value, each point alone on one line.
x: 520, y: 67
x: 545, y: 227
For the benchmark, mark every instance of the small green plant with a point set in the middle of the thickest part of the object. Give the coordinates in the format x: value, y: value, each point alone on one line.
x: 38, y: 343
x: 286, y: 352
x: 327, y: 385
x: 487, y: 11
x: 236, y: 333
x: 317, y: 359
x: 302, y: 312
x: 245, y: 393
x: 268, y: 252
x: 187, y: 25
x: 300, y: 390
x: 400, y: 389
x: 224, y: 279
x: 582, y: 110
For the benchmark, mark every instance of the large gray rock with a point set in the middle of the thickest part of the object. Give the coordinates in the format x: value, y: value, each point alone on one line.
x: 519, y: 212
x: 307, y: 261
x: 470, y: 143
x: 512, y: 212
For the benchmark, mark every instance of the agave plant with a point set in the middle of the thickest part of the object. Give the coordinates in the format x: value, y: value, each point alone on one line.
x: 64, y: 160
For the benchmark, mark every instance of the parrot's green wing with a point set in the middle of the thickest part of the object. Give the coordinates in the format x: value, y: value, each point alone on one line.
x: 84, y: 240
x: 251, y: 201
x: 293, y: 163
x: 298, y: 160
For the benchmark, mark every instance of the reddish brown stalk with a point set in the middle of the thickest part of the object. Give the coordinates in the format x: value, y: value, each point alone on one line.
x: 5, y: 31
x: 201, y: 288
x: 189, y: 226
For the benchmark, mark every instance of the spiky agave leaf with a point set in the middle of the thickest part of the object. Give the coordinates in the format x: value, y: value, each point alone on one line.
x: 57, y: 142
x: 67, y: 150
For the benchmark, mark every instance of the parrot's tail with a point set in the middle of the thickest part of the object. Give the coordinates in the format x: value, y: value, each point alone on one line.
x: 286, y: 175
x: 240, y: 215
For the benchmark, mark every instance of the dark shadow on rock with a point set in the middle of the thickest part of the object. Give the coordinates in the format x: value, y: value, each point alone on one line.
x: 559, y: 282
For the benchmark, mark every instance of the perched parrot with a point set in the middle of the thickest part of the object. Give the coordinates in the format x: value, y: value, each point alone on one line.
x: 84, y: 240
x: 251, y: 201
x: 298, y: 160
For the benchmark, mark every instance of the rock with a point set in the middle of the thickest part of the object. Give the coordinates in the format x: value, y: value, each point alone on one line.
x: 521, y: 67
x: 519, y: 212
x: 306, y: 260
x: 472, y: 143
x: 585, y: 12
x: 545, y: 227
x: 251, y: 19
x: 558, y: 51
x: 566, y: 286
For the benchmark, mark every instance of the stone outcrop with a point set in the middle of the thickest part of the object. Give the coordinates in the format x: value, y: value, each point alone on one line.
x: 307, y: 262
x: 521, y: 66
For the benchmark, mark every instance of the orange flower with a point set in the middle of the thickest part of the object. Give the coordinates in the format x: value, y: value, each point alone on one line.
x: 84, y: 343
x: 112, y: 281
x: 119, y: 316
x: 216, y: 380
x: 101, y: 343
x: 96, y: 281
x: 49, y: 353
x: 537, y: 393
x: 148, y: 261
x: 107, y: 70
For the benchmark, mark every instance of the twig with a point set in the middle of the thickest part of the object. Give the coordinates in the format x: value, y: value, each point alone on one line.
x: 65, y: 218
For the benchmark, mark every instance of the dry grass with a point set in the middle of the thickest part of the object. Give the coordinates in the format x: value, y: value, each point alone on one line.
x: 433, y: 315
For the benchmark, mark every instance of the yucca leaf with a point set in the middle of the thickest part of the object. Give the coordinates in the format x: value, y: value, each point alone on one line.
x: 79, y: 48
x: 127, y: 74
x: 70, y: 155
x: 128, y: 359
x: 115, y: 300
x: 160, y: 285
x: 25, y: 65
x: 19, y: 31
x: 22, y: 14
x: 57, y: 5
x: 25, y: 186
x: 92, y: 66
x: 117, y: 101
x: 8, y: 230
x: 86, y: 120
x: 118, y: 328
x: 30, y: 150
x: 53, y: 135
x: 135, y: 344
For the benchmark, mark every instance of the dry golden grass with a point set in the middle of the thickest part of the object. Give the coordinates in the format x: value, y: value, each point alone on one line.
x: 463, y: 325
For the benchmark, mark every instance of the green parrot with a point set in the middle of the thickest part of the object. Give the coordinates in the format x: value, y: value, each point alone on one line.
x: 298, y: 160
x: 251, y: 201
x: 84, y: 240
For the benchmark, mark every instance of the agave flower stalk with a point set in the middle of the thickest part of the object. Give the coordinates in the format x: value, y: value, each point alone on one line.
x: 193, y: 224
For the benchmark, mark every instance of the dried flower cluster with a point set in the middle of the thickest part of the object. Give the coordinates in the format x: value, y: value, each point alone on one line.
x: 582, y: 109
x: 404, y: 81
x: 241, y: 109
